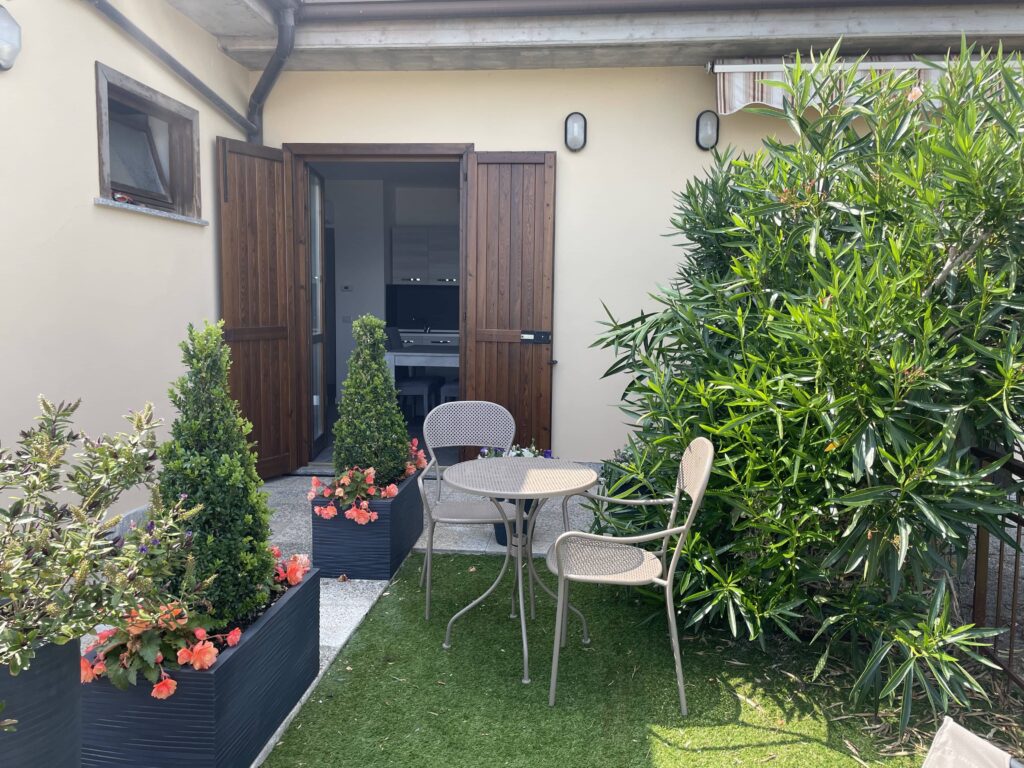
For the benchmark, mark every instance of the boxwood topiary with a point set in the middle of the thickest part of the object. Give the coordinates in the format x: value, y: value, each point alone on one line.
x: 210, y: 461
x: 370, y: 431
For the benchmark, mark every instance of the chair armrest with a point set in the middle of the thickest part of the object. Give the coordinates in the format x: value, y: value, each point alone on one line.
x: 627, y: 502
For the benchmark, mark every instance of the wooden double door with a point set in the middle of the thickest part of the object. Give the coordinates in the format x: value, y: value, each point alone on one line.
x: 506, y: 279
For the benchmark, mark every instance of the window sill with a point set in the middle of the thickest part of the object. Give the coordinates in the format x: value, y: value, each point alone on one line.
x: 106, y: 202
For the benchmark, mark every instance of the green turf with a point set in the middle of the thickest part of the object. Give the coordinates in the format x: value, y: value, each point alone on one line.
x: 393, y: 697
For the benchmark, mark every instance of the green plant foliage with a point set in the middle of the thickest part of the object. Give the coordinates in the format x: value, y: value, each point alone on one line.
x: 209, y: 462
x: 846, y: 325
x: 370, y: 431
x: 62, y: 569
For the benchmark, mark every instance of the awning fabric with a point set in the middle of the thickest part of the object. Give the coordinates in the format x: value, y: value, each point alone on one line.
x: 741, y: 81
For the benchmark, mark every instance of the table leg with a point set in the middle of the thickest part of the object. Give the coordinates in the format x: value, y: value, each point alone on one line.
x: 447, y: 644
x: 522, y: 541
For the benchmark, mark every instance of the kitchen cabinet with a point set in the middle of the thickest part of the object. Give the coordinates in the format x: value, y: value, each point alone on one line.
x: 425, y: 254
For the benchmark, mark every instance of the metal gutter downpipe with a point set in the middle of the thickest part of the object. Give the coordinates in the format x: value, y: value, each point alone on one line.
x: 285, y: 46
x: 173, y: 64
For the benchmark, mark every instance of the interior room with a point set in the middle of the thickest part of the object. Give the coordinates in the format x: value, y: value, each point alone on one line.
x: 390, y: 244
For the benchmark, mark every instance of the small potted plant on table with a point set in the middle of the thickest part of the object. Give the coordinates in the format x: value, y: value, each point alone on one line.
x: 236, y: 654
x: 64, y: 570
x: 368, y: 517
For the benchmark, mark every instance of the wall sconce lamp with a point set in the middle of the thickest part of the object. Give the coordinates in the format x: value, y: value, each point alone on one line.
x: 575, y: 131
x: 10, y: 39
x: 707, y: 129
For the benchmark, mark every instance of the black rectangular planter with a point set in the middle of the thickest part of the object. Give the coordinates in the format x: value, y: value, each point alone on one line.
x: 46, y: 701
x: 374, y: 550
x: 220, y: 717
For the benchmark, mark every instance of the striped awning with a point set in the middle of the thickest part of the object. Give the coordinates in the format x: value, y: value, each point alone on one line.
x: 741, y: 82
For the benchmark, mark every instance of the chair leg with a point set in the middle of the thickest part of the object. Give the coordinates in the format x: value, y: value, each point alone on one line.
x: 563, y: 598
x: 565, y: 616
x: 428, y: 562
x: 533, y: 602
x: 673, y: 632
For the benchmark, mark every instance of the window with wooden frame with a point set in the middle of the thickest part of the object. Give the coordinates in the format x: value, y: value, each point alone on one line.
x: 148, y: 146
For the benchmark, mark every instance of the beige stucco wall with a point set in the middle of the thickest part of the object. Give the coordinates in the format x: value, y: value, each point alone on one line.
x: 93, y: 301
x: 613, y: 199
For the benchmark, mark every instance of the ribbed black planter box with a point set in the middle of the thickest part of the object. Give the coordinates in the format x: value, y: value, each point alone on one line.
x: 220, y: 717
x: 374, y: 550
x: 46, y: 701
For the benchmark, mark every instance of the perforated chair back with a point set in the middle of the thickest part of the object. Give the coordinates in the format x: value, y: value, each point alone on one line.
x: 474, y: 423
x: 694, y: 473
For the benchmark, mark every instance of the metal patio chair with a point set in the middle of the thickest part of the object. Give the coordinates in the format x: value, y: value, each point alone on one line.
x: 463, y: 424
x: 596, y: 559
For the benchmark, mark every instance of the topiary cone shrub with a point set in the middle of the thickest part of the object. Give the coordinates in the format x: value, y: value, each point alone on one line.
x: 846, y: 325
x: 370, y: 431
x: 209, y: 461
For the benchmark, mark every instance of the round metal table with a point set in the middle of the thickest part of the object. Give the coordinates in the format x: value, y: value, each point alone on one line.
x: 519, y: 479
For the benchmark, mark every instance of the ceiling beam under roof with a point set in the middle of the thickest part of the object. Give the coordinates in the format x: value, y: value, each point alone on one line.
x: 649, y: 39
x: 370, y: 10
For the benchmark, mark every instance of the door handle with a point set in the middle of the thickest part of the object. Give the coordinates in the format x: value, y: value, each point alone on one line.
x: 552, y: 362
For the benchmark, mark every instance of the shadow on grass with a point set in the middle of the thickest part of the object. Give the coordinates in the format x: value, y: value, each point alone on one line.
x: 393, y: 697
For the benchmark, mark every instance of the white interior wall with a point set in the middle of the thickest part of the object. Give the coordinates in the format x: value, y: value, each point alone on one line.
x: 360, y: 263
x: 426, y: 206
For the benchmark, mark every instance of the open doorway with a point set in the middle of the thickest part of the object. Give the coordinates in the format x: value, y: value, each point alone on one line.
x: 268, y: 252
x: 384, y: 240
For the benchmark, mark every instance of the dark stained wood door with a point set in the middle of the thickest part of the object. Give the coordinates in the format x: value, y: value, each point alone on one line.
x: 508, y: 282
x: 256, y: 283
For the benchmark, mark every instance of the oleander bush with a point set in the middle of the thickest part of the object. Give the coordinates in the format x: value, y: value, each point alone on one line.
x: 210, y: 463
x: 370, y: 430
x: 846, y: 325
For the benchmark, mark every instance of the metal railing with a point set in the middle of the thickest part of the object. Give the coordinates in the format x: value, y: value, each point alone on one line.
x: 998, y: 599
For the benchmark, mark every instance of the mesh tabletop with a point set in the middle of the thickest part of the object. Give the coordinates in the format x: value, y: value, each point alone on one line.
x: 520, y: 478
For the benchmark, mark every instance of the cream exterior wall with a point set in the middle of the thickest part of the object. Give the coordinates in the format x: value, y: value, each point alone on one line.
x: 613, y: 199
x: 93, y: 301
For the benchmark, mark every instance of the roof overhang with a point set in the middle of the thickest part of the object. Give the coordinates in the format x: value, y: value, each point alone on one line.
x: 464, y: 34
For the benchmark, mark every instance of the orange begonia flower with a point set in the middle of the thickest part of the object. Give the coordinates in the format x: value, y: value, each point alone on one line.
x: 234, y: 636
x: 171, y: 616
x: 200, y: 633
x: 298, y: 566
x: 136, y: 624
x: 184, y: 656
x: 164, y: 689
x: 99, y: 667
x: 204, y: 654
x: 88, y: 675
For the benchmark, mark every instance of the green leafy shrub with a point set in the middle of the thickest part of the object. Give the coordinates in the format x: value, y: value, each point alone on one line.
x: 370, y: 431
x: 62, y: 569
x: 844, y: 330
x: 209, y: 462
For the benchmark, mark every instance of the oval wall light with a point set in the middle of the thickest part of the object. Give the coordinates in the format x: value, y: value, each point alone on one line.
x: 707, y: 129
x: 10, y: 39
x: 575, y: 131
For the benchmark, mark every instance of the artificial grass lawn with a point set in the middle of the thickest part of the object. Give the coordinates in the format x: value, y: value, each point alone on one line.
x: 394, y: 697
